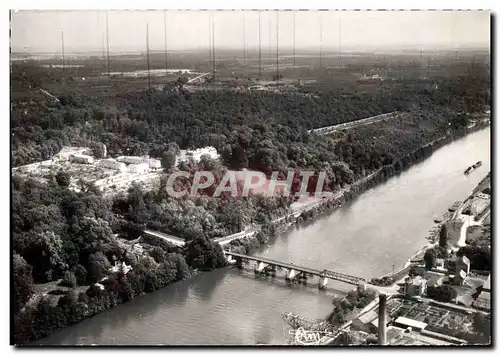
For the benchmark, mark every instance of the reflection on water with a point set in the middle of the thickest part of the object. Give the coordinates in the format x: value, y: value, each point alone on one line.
x: 381, y: 228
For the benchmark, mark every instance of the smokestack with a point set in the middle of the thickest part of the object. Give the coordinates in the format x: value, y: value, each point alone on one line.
x: 382, y: 319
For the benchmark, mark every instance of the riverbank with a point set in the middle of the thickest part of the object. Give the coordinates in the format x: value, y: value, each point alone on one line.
x: 313, y: 209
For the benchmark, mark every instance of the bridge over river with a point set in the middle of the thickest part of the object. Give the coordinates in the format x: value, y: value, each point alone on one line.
x: 293, y: 272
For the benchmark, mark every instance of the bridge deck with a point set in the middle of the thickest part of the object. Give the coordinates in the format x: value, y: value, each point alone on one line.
x: 165, y: 236
x: 322, y: 273
x: 277, y: 263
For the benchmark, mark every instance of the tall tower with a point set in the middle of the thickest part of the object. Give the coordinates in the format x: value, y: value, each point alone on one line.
x: 382, y: 319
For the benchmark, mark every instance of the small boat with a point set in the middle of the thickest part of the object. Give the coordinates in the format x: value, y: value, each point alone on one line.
x: 469, y: 169
x: 478, y: 164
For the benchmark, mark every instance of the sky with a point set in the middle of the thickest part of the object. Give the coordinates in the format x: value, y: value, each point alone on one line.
x: 85, y: 30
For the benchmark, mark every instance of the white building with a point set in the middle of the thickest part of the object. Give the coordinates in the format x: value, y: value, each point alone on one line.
x: 67, y: 152
x: 138, y: 168
x: 112, y: 164
x: 82, y: 159
x: 132, y: 159
x: 154, y: 164
x: 197, y: 154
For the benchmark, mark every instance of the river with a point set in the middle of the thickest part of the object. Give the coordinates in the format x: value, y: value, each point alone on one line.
x: 365, y: 237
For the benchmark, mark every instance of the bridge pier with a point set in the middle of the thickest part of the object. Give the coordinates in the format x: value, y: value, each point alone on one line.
x: 259, y: 266
x: 290, y: 274
x: 269, y: 270
x: 323, y: 281
x: 239, y: 262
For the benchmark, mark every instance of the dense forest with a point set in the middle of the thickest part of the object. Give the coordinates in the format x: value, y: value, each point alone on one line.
x: 71, y: 238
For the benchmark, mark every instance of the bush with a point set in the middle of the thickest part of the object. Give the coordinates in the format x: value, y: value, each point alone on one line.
x: 69, y: 280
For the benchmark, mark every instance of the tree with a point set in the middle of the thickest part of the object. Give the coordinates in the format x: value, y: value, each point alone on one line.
x: 63, y: 178
x: 443, y: 293
x: 482, y: 325
x: 205, y: 254
x: 80, y: 274
x: 69, y: 280
x: 430, y: 259
x: 99, y: 150
x: 98, y: 266
x: 168, y: 159
x: 443, y: 236
x: 158, y: 254
x: 22, y: 280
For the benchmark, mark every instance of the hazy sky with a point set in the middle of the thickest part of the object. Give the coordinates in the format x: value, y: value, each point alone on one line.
x: 86, y: 30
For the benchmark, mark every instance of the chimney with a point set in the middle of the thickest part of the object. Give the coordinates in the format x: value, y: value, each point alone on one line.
x: 382, y: 319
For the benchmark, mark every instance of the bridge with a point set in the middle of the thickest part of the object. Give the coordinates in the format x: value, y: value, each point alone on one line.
x: 167, y: 237
x: 292, y: 272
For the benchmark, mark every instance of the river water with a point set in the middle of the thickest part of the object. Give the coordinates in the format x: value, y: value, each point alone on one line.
x: 365, y: 237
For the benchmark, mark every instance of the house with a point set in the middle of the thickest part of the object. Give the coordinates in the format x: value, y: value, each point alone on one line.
x: 440, y: 265
x: 460, y: 278
x: 462, y: 263
x: 414, y: 286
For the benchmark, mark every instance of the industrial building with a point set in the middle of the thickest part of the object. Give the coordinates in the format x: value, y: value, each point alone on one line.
x: 112, y: 164
x: 138, y: 168
x: 152, y: 163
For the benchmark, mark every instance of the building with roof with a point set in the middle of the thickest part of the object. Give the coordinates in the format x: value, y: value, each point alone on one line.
x: 440, y: 264
x: 414, y: 286
x: 82, y: 159
x: 406, y: 323
x: 368, y: 322
x: 460, y: 277
x: 66, y: 152
x: 154, y: 164
x: 483, y: 301
x: 110, y: 163
x: 138, y: 168
x: 462, y: 263
x: 487, y: 284
x: 197, y: 154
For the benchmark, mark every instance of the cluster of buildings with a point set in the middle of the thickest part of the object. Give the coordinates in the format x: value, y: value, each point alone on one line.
x: 417, y: 285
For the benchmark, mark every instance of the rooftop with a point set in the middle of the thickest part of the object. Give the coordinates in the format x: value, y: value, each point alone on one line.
x: 368, y: 317
x: 487, y: 284
x: 411, y: 323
